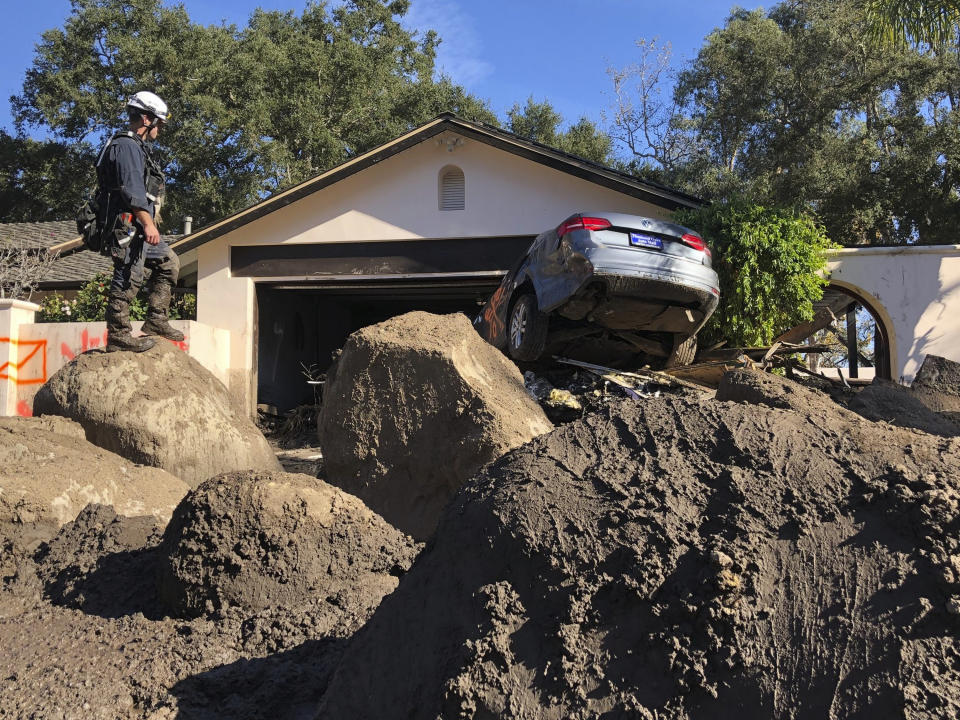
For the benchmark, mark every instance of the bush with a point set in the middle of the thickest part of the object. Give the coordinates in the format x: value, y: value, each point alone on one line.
x: 90, y: 305
x: 769, y: 262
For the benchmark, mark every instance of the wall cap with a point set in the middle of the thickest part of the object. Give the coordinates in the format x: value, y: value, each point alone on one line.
x: 897, y: 250
x: 14, y: 304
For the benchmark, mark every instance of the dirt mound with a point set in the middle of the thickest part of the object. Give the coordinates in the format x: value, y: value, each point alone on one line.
x: 937, y: 385
x: 97, y: 581
x: 898, y: 405
x: 49, y: 473
x: 255, y: 540
x: 678, y: 559
x: 159, y: 408
x: 762, y: 388
x: 413, y: 408
x: 102, y: 563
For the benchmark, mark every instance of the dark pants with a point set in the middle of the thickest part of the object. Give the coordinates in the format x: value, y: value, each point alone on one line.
x: 128, y: 270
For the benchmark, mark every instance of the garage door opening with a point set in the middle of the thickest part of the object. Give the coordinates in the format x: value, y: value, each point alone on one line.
x: 301, y: 328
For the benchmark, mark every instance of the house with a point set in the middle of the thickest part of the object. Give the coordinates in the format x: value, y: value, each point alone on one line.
x: 429, y: 221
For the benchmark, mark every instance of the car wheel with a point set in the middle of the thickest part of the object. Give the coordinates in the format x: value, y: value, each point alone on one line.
x: 684, y: 350
x: 527, y: 329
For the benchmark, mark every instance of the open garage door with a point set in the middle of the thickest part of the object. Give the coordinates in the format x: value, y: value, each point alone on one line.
x: 301, y: 327
x: 312, y: 296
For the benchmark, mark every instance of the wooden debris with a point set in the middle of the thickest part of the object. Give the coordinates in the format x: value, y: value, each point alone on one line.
x: 801, y: 332
x: 646, y: 375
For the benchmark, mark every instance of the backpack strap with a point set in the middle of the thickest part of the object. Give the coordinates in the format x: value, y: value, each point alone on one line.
x: 122, y: 133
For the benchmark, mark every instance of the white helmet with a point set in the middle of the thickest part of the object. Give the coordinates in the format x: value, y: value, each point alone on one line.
x: 149, y: 103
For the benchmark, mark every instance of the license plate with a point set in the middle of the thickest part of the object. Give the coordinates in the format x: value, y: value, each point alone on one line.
x: 646, y: 241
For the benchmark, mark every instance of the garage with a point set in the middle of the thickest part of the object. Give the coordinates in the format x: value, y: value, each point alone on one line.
x: 302, y: 323
x: 430, y: 221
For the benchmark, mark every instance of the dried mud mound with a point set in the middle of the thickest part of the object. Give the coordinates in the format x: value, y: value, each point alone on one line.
x: 937, y: 385
x: 884, y: 401
x: 679, y: 559
x: 415, y: 406
x: 84, y: 636
x: 49, y: 473
x: 159, y: 408
x: 255, y: 540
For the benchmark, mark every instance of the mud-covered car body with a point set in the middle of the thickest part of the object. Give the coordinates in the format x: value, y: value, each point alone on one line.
x: 647, y: 281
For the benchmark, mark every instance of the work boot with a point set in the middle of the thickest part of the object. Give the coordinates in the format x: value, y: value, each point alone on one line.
x: 119, y: 331
x: 162, y: 327
x: 158, y: 304
x: 128, y: 342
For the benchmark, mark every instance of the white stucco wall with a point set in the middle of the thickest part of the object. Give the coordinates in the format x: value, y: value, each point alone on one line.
x: 397, y: 199
x: 30, y: 353
x: 915, y: 292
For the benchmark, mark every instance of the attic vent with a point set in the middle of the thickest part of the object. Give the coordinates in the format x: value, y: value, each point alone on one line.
x: 451, y: 188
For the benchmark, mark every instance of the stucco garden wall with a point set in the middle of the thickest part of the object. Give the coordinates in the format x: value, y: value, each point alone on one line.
x: 915, y: 293
x: 31, y: 352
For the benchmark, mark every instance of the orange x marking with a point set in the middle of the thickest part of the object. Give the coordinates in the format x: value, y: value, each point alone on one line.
x: 11, y: 370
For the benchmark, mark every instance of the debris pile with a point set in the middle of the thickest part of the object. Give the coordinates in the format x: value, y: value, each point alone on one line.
x: 767, y: 552
x: 252, y: 646
x: 253, y: 540
x: 414, y: 407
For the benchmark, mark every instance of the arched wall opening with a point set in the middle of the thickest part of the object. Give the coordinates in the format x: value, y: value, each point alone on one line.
x: 865, y: 329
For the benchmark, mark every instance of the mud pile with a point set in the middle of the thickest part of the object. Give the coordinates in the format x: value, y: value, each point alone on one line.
x: 414, y: 407
x: 159, y: 408
x: 253, y: 540
x: 683, y: 559
x: 93, y: 592
x: 49, y: 473
x: 937, y: 385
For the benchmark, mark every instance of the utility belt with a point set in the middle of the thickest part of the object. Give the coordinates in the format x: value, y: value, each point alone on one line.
x: 125, y: 228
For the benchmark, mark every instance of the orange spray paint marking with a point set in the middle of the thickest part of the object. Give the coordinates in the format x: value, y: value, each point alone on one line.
x: 23, y: 409
x: 19, y: 372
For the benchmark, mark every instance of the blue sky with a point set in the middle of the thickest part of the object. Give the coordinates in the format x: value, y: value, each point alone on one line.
x: 501, y: 50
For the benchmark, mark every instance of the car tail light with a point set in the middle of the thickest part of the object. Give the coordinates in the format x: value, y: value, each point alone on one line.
x: 696, y: 242
x: 583, y: 223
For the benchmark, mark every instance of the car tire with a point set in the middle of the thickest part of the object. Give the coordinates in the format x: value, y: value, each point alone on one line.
x: 684, y: 350
x: 526, y: 329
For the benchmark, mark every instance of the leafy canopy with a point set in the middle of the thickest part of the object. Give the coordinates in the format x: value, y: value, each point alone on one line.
x: 769, y: 262
x: 253, y: 109
x: 796, y: 107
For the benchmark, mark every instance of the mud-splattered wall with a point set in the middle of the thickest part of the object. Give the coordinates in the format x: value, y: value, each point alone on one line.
x: 31, y: 352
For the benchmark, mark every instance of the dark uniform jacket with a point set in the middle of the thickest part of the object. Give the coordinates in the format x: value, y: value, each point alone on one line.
x: 124, y: 173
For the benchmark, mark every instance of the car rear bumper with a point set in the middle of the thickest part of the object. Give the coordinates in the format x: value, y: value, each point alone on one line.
x: 652, y: 291
x: 629, y: 271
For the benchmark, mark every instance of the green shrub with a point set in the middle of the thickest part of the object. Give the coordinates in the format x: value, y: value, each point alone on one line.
x: 90, y: 305
x: 769, y: 262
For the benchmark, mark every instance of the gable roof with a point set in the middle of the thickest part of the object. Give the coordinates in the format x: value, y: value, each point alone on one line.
x: 495, y: 137
x: 74, y: 266
x: 36, y: 235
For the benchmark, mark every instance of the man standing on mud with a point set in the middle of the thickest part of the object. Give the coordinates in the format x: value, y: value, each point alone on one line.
x: 131, y: 185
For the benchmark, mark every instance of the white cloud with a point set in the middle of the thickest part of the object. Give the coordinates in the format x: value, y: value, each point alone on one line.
x: 460, y: 54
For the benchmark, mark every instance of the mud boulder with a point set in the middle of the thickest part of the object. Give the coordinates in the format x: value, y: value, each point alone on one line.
x: 159, y: 408
x: 885, y: 401
x: 49, y: 472
x: 937, y: 385
x: 757, y: 387
x: 415, y: 406
x: 676, y: 559
x: 255, y: 540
